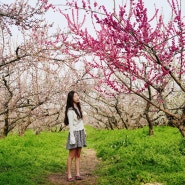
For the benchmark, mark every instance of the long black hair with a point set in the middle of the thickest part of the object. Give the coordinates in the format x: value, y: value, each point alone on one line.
x: 70, y: 104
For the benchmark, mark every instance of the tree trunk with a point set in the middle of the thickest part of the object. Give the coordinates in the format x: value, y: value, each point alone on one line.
x: 150, y: 125
x: 6, y: 125
x: 110, y: 124
x: 182, y: 129
x: 180, y: 124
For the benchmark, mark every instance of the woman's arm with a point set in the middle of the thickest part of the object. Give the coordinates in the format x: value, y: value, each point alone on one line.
x: 70, y: 115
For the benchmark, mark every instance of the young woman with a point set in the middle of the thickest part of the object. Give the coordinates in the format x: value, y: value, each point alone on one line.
x: 77, y: 136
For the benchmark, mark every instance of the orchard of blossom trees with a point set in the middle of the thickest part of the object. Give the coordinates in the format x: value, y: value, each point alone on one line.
x: 128, y: 67
x: 134, y: 53
x: 31, y: 71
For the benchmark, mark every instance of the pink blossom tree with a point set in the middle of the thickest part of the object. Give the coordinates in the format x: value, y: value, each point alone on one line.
x: 135, y: 53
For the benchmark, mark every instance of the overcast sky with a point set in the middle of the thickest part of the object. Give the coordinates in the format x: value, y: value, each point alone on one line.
x: 162, y: 5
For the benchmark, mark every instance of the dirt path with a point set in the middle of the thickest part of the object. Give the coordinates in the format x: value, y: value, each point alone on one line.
x: 88, y: 164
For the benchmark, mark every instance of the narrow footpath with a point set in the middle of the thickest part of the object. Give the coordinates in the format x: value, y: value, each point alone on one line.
x: 88, y: 164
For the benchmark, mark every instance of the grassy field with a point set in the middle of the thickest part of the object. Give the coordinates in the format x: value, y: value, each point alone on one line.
x: 128, y: 157
x: 29, y: 159
x: 133, y: 158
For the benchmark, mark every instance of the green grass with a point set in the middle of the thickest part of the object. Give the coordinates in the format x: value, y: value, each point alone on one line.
x: 131, y: 157
x: 128, y: 157
x: 29, y: 159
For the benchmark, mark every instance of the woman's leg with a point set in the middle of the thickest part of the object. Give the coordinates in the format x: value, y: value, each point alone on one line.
x: 77, y: 161
x: 72, y: 154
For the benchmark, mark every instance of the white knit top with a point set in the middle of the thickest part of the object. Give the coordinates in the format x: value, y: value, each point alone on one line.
x: 75, y: 124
